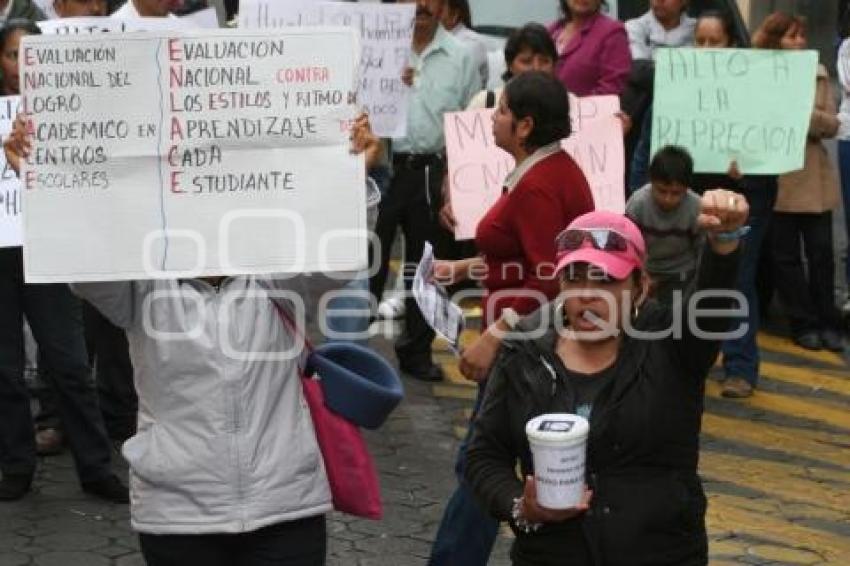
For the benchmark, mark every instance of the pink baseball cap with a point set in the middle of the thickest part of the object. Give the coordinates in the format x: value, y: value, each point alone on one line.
x: 606, y: 240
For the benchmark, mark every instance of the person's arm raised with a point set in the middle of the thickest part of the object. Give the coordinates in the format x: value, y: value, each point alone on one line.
x: 715, y: 301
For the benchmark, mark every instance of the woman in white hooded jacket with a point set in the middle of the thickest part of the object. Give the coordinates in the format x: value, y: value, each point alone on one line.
x: 225, y: 468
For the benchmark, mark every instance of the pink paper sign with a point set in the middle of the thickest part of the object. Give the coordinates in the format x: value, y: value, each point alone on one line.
x: 477, y: 167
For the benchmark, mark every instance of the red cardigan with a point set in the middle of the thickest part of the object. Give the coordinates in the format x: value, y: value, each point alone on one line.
x: 517, y: 235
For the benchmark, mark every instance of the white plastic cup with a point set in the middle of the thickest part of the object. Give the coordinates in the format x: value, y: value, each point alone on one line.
x: 559, y: 446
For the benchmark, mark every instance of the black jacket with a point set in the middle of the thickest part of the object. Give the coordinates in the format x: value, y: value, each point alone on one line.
x: 648, y: 506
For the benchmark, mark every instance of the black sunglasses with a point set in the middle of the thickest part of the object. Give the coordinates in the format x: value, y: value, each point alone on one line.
x: 603, y: 239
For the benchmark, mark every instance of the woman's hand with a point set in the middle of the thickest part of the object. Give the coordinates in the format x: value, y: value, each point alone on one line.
x: 476, y: 360
x: 17, y: 146
x: 734, y: 172
x: 627, y: 122
x: 533, y: 512
x: 407, y: 76
x: 363, y: 140
x: 722, y: 211
x: 447, y: 215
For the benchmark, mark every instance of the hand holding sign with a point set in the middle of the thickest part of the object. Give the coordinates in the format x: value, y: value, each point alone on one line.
x: 364, y: 141
x: 17, y: 145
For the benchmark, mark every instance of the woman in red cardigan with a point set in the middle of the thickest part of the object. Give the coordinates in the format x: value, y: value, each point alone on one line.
x: 516, y: 238
x: 516, y: 243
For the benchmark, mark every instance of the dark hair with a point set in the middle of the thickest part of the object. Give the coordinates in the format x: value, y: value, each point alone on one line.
x: 844, y: 23
x: 543, y: 98
x: 672, y: 164
x: 565, y: 9
x: 531, y: 36
x: 773, y: 29
x: 462, y: 7
x: 16, y: 24
x: 726, y: 21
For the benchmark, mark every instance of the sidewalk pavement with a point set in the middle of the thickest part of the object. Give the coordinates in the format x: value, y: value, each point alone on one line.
x: 414, y: 452
x: 776, y: 469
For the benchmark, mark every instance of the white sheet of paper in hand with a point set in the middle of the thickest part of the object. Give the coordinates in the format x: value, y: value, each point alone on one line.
x: 441, y: 314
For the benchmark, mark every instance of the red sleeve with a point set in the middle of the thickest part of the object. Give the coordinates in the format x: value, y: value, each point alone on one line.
x: 615, y: 63
x: 538, y: 219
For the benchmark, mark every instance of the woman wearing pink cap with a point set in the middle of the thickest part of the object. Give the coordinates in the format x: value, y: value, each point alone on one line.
x: 516, y: 243
x: 602, y: 351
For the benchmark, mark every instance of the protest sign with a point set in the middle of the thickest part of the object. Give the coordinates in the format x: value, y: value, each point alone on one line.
x: 477, y: 167
x: 10, y: 195
x: 265, y: 14
x: 175, y: 154
x: 748, y: 105
x: 386, y: 32
x: 77, y: 26
x: 597, y: 146
x: 202, y: 19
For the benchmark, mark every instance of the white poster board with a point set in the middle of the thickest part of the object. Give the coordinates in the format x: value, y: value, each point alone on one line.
x: 386, y: 32
x: 10, y: 185
x: 203, y: 19
x: 78, y: 26
x: 176, y: 154
x: 264, y: 14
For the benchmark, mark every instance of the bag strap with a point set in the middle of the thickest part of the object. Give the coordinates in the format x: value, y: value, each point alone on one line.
x: 491, y: 99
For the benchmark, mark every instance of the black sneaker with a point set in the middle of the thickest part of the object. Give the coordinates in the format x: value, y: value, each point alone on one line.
x: 809, y: 341
x: 426, y: 372
x: 14, y: 487
x: 832, y: 341
x: 109, y: 488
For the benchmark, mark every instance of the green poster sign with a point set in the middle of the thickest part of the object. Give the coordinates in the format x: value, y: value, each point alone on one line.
x: 748, y: 105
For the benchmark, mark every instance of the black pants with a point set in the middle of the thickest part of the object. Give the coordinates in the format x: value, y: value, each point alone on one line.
x: 110, y: 353
x: 809, y: 301
x: 48, y: 409
x: 56, y: 319
x: 296, y: 543
x: 411, y: 202
x: 114, y: 373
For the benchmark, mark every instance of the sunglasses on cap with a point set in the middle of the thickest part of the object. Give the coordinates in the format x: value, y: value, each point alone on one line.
x: 603, y: 239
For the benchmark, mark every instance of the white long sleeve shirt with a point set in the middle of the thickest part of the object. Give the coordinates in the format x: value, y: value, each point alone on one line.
x: 646, y: 34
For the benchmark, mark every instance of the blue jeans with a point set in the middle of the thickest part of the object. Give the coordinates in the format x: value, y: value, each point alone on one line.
x: 467, y: 532
x: 741, y: 356
x: 347, y: 316
x: 844, y: 166
x: 639, y: 171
